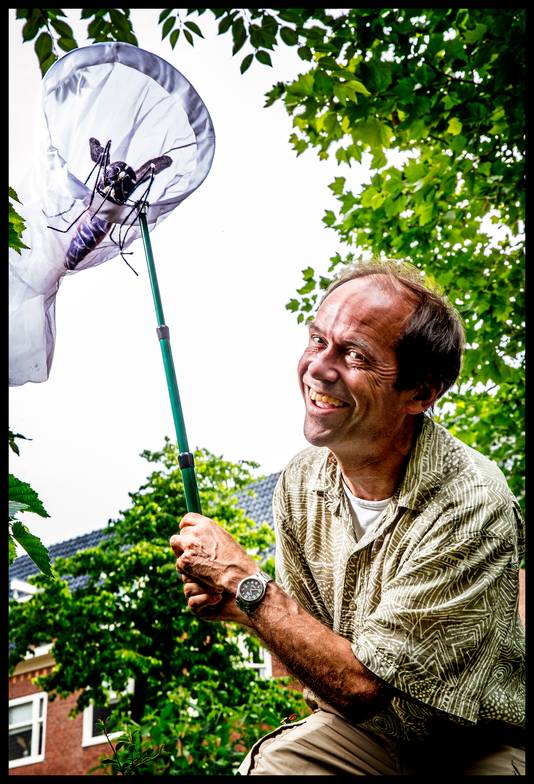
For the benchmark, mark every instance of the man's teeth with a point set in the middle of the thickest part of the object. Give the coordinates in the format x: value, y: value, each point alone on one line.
x: 332, y: 401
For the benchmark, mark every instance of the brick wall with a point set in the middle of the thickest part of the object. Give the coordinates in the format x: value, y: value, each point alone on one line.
x: 64, y: 754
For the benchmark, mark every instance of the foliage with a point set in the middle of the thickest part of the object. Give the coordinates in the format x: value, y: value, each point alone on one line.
x: 53, y: 34
x: 23, y: 498
x: 129, y: 755
x: 435, y: 99
x: 118, y: 612
x: 16, y: 224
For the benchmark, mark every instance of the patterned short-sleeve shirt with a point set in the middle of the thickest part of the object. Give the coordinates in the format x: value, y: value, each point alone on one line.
x: 429, y: 596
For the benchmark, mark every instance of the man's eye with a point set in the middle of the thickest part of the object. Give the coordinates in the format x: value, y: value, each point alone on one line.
x: 357, y: 355
x: 319, y: 341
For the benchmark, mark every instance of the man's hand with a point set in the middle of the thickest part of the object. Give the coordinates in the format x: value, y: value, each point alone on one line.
x: 211, y: 563
x: 210, y: 604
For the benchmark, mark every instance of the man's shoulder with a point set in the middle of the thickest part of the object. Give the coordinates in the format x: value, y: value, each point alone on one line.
x: 449, y: 473
x: 454, y: 458
x: 467, y: 475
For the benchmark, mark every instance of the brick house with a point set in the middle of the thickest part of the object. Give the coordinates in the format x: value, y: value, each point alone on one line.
x: 43, y: 740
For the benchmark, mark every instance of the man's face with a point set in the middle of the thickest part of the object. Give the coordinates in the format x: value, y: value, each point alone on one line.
x: 349, y: 367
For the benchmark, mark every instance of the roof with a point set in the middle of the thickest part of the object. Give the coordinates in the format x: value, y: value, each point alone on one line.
x: 256, y: 506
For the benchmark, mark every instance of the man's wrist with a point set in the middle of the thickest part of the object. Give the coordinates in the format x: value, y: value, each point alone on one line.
x: 234, y: 576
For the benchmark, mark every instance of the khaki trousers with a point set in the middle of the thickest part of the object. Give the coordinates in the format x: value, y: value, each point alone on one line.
x: 325, y: 744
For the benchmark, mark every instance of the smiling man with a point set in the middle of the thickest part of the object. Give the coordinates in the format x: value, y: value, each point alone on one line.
x: 398, y: 547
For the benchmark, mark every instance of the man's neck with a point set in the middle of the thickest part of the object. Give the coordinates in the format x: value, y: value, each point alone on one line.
x: 373, y: 472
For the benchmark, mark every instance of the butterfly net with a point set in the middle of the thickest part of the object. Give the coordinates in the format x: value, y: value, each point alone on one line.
x: 136, y: 108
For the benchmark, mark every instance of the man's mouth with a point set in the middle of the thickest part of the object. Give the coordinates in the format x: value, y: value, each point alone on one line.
x: 325, y: 401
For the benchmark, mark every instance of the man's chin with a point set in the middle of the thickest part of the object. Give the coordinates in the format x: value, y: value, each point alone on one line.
x: 317, y: 437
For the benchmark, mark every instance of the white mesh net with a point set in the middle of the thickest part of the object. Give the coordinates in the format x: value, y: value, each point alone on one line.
x: 138, y: 108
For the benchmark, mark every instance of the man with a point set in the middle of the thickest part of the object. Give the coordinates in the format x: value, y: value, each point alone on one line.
x: 398, y: 547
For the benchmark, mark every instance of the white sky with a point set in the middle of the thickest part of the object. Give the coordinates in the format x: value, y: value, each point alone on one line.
x: 228, y: 259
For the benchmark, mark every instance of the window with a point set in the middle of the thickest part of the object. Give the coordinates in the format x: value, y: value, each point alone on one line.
x: 92, y: 732
x: 257, y: 658
x: 27, y: 724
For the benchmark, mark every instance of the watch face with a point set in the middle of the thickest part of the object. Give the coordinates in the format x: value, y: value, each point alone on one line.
x: 252, y: 589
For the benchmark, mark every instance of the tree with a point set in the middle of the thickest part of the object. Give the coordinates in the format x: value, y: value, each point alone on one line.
x: 432, y: 100
x: 125, y: 616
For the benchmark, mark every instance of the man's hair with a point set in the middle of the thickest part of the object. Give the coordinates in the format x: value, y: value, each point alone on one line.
x: 429, y: 350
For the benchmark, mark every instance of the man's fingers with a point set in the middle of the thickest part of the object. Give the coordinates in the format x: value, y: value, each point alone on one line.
x: 200, y: 600
x: 176, y: 545
x: 191, y: 518
x: 196, y: 588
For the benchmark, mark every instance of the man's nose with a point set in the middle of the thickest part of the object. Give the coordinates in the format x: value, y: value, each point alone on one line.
x: 323, y: 367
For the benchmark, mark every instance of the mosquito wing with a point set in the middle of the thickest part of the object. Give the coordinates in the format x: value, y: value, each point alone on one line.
x: 96, y: 150
x: 159, y: 164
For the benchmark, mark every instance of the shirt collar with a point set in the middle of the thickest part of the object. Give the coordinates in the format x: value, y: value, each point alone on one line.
x: 424, y: 471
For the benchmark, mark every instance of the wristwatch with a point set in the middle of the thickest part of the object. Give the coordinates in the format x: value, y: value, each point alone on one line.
x: 251, y: 591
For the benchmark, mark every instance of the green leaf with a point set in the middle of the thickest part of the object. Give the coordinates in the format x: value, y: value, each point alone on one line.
x: 337, y: 185
x: 358, y: 87
x: 67, y: 44
x: 374, y: 133
x: 62, y: 28
x: 189, y: 37
x: 12, y: 549
x: 30, y: 29
x: 239, y: 35
x: 12, y: 436
x: 173, y: 38
x: 24, y: 493
x: 194, y: 27
x: 33, y: 546
x: 263, y: 57
x: 454, y: 127
x: 16, y: 227
x: 43, y: 46
x: 45, y: 64
x: 472, y: 36
x: 289, y: 36
x: 245, y: 63
x: 225, y: 23
x: 323, y: 83
x: 164, y: 14
x: 167, y: 27
x: 305, y: 53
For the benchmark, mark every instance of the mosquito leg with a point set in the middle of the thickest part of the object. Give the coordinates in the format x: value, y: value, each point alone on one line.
x: 139, y: 205
x: 69, y: 227
x: 122, y: 252
x: 100, y: 165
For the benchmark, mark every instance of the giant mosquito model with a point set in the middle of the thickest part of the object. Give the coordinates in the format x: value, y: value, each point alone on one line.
x: 115, y: 182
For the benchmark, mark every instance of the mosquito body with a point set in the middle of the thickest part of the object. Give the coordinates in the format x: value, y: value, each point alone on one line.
x: 115, y: 182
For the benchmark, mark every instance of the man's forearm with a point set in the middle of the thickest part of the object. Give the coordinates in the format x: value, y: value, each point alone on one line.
x: 317, y: 656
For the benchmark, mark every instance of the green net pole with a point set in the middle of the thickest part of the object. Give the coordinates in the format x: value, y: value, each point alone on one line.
x: 185, y: 457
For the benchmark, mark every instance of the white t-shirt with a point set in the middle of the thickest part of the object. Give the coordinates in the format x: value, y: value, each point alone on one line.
x: 364, y: 513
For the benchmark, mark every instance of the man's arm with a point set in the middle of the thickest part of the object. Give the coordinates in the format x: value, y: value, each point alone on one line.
x: 320, y: 658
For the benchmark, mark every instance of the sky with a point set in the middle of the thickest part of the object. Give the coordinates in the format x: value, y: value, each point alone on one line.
x: 228, y: 260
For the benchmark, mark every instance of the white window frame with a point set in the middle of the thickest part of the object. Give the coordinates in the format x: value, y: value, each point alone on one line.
x: 88, y: 739
x: 35, y: 699
x: 22, y: 590
x: 264, y: 667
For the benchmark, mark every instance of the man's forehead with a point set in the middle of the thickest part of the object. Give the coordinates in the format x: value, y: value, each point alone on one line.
x: 372, y: 296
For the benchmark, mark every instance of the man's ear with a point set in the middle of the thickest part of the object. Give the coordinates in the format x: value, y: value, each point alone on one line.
x: 423, y: 397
